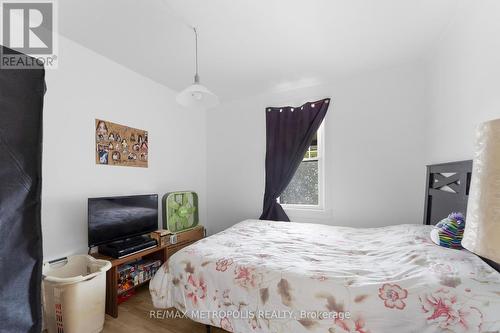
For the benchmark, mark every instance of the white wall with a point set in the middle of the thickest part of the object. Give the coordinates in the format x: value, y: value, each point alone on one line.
x: 375, y: 171
x: 464, y: 81
x: 88, y: 86
x: 382, y: 128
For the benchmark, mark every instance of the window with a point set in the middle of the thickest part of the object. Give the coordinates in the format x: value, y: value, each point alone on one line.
x: 306, y: 187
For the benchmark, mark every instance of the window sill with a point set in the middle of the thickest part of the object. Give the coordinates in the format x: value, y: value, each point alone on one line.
x: 302, y: 207
x: 306, y: 213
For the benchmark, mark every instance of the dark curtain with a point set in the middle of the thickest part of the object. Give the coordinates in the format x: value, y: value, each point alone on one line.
x: 21, y: 103
x: 289, y: 131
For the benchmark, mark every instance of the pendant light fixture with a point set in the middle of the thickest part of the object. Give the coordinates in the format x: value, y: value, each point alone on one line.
x: 197, y: 95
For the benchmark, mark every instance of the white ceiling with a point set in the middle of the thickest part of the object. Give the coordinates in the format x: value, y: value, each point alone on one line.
x: 251, y: 46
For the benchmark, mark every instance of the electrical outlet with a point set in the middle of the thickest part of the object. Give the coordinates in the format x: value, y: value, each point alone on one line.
x: 173, y: 239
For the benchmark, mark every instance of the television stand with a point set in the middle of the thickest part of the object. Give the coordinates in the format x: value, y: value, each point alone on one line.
x: 127, y: 247
x: 161, y: 253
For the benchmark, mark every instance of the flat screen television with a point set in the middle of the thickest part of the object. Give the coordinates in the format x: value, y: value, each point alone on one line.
x: 116, y: 218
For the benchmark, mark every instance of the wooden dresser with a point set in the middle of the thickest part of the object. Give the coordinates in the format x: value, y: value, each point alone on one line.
x: 158, y: 253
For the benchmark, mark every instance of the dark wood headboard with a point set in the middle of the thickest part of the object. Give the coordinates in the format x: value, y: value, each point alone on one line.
x: 447, y: 190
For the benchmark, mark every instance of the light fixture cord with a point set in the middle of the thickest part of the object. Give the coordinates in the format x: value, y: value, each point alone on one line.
x: 196, y: 76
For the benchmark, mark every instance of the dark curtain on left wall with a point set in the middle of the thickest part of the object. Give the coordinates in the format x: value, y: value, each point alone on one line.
x: 21, y: 105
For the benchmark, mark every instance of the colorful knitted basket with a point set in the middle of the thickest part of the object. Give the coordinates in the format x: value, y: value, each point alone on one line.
x: 449, y: 231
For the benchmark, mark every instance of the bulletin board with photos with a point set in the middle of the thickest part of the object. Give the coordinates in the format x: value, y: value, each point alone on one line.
x: 120, y: 145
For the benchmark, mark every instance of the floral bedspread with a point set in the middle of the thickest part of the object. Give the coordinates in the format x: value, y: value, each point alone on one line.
x: 262, y: 276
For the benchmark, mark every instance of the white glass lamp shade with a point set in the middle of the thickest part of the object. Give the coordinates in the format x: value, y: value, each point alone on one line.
x: 197, y: 96
x: 482, y: 225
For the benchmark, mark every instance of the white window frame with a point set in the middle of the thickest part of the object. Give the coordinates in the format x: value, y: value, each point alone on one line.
x: 321, y: 177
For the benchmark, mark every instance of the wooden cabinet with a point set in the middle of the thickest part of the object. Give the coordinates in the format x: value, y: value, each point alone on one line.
x: 158, y: 253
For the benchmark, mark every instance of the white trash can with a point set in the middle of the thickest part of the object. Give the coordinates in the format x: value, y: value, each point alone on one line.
x: 74, y: 294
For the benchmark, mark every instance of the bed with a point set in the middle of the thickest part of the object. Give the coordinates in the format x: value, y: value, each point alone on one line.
x: 265, y: 276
